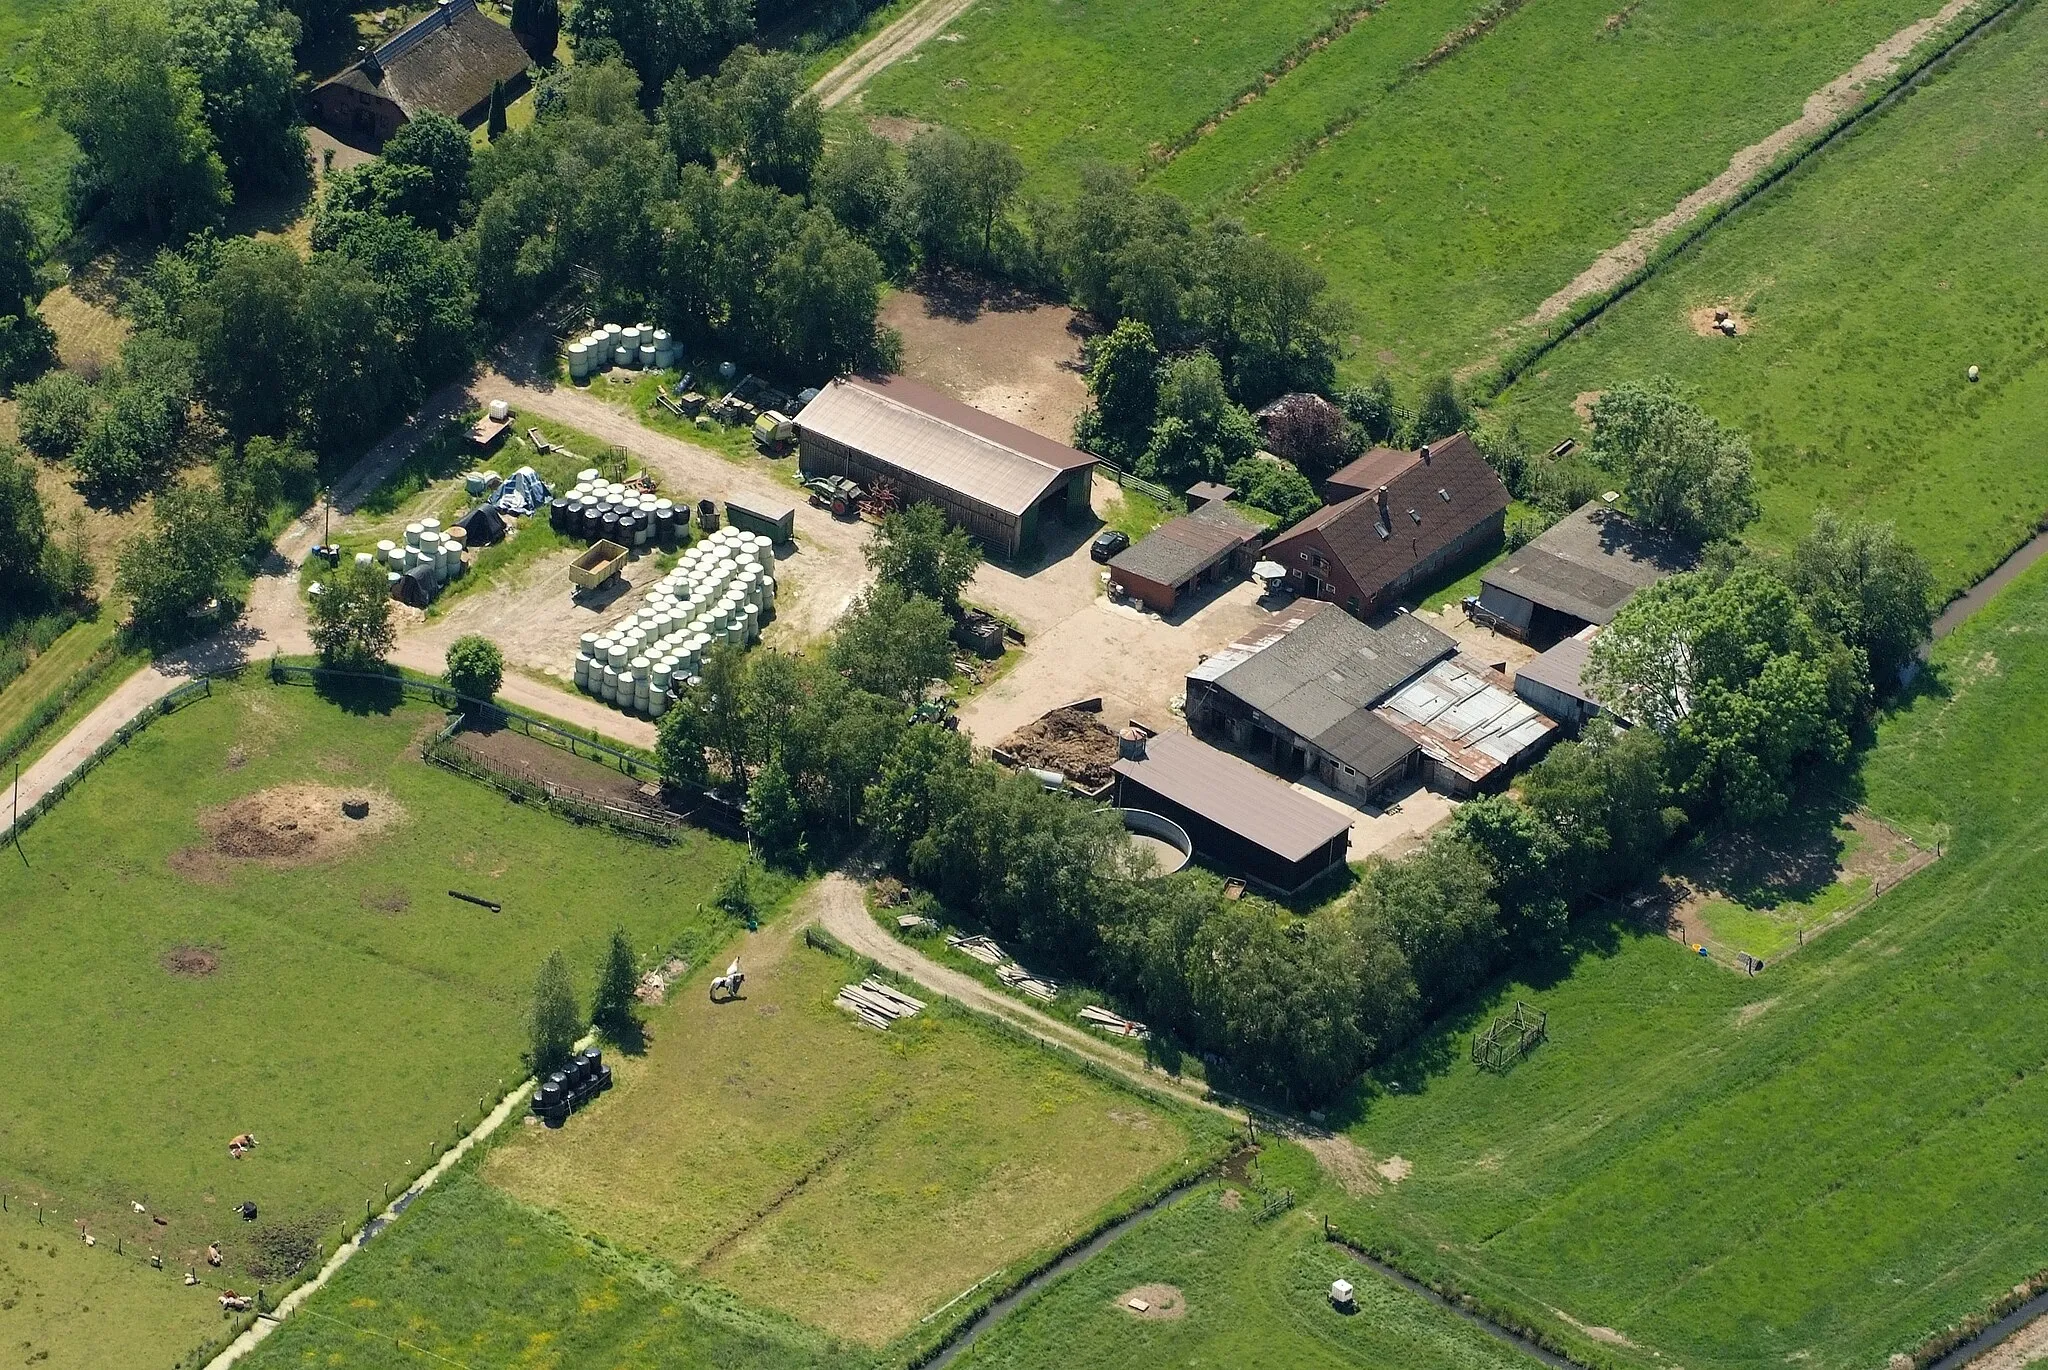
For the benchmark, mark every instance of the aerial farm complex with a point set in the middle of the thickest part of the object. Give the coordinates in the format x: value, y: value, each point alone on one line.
x: 1023, y: 683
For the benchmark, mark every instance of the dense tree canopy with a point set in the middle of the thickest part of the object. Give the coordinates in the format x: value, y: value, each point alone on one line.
x: 173, y: 571
x: 1728, y: 668
x: 240, y: 52
x: 111, y: 76
x: 1679, y: 469
x: 660, y: 38
x: 917, y: 552
x: 1865, y: 584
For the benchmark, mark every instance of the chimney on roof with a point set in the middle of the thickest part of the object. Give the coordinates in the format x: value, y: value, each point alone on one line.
x: 1425, y: 454
x: 1379, y: 497
x: 371, y: 67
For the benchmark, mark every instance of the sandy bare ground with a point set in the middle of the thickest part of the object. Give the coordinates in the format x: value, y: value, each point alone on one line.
x: 891, y: 45
x: 1822, y: 108
x: 2028, y: 1346
x: 1019, y: 360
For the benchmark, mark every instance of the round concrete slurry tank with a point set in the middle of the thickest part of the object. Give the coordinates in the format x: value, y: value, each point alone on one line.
x: 579, y: 361
x: 412, y: 534
x: 1165, y: 839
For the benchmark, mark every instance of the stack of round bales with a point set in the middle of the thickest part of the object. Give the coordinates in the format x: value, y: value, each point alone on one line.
x: 596, y: 508
x: 720, y: 591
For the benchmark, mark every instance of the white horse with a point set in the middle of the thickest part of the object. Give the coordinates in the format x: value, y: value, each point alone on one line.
x: 730, y: 982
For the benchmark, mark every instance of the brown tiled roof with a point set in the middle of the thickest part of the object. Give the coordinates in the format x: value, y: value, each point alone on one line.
x: 1430, y: 503
x: 446, y: 61
x: 1368, y: 473
x: 933, y: 436
x: 1234, y: 795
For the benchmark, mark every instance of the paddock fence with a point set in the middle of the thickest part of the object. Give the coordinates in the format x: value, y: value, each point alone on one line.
x: 198, y: 688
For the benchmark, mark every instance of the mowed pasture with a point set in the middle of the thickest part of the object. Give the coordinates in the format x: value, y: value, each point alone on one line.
x: 1866, y: 286
x: 471, y: 1273
x: 1243, y: 1293
x: 1824, y: 1165
x: 1448, y: 164
x: 855, y: 1180
x: 63, y: 1303
x: 1448, y: 203
x: 1069, y: 82
x: 200, y: 945
x: 41, y: 150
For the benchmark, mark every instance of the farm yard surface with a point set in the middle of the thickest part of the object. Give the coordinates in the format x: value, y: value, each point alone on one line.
x: 842, y: 1187
x: 251, y: 961
x: 1925, y: 220
x: 1821, y: 1167
x: 1449, y: 165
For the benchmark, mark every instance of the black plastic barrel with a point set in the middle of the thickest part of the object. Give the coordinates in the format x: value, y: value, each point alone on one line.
x: 630, y: 525
x: 665, y: 525
x: 558, y: 513
x: 608, y: 527
x: 540, y: 1100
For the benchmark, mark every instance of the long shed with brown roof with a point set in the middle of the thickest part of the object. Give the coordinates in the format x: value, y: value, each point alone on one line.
x: 1239, y: 817
x: 988, y: 475
x: 1400, y: 518
x: 447, y: 61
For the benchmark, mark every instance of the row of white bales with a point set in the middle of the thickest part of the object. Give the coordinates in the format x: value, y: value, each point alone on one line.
x: 720, y: 591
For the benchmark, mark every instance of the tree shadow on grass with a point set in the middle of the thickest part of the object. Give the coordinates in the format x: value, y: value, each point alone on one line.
x: 628, y: 1038
x: 361, y: 695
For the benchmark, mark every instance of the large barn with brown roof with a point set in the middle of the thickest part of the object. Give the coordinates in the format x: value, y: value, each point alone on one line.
x: 1395, y: 520
x: 447, y: 61
x: 994, y: 479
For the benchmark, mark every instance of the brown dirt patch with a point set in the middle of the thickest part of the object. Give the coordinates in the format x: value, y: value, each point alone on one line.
x: 1346, y: 1161
x: 1600, y: 1334
x: 291, y: 825
x: 1706, y: 324
x: 190, y: 962
x: 391, y: 901
x: 1583, y: 402
x: 1395, y: 1169
x: 1232, y: 1199
x: 1012, y: 357
x: 1749, y: 1013
x: 1163, y: 1303
x: 897, y: 129
x: 1069, y: 741
x: 516, y: 754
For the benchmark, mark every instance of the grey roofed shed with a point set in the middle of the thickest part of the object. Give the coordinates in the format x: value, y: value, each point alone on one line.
x: 1555, y: 682
x: 1309, y: 674
x: 985, y: 460
x: 1367, y: 744
x: 1585, y: 567
x: 1185, y: 546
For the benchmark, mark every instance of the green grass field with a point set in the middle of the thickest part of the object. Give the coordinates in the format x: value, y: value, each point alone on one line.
x: 65, y: 1303
x: 38, y: 147
x: 355, y: 1016
x: 1255, y: 1294
x: 855, y: 1180
x: 1464, y: 195
x: 1821, y: 1166
x: 1871, y: 282
x: 1070, y: 82
x: 472, y: 1273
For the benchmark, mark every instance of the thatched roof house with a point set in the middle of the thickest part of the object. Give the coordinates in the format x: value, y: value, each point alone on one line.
x: 446, y: 61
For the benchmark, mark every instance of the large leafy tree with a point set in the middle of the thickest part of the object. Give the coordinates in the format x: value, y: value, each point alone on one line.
x: 661, y: 37
x: 261, y: 474
x: 553, y: 1022
x: 181, y: 564
x: 1123, y: 376
x: 1437, y: 906
x: 1681, y: 471
x: 893, y: 644
x: 767, y: 121
x: 1604, y: 798
x: 918, y: 553
x: 27, y: 343
x: 476, y: 668
x: 1268, y: 316
x: 1201, y: 432
x: 1730, y: 670
x: 539, y: 26
x: 1864, y: 583
x: 111, y: 78
x: 248, y: 327
x: 23, y: 532
x: 960, y: 188
x: 240, y: 51
x: 352, y: 616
